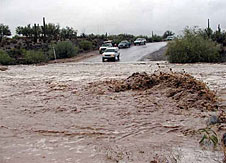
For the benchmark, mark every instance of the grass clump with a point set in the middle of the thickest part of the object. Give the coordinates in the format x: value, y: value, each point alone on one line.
x: 209, y: 136
x: 191, y: 48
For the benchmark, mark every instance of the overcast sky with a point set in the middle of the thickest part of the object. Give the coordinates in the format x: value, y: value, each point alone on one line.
x: 115, y: 16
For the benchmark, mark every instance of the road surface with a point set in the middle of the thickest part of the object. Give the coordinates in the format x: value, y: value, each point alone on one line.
x: 133, y: 54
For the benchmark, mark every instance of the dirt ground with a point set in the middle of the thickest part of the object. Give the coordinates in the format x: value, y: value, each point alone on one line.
x: 103, y: 112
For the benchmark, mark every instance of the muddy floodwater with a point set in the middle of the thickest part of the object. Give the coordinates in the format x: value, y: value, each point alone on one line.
x: 60, y: 113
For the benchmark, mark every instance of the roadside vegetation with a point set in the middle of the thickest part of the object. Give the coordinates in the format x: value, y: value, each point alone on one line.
x: 37, y: 43
x: 5, y: 59
x: 64, y: 49
x: 197, y: 45
x: 31, y: 57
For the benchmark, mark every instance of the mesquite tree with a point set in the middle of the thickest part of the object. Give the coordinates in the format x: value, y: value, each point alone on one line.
x: 4, y: 31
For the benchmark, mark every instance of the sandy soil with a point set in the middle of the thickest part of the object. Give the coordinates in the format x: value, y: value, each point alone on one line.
x: 69, y: 112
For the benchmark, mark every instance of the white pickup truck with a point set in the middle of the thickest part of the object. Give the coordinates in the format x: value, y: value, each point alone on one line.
x: 140, y: 41
x: 111, y: 53
x: 104, y: 46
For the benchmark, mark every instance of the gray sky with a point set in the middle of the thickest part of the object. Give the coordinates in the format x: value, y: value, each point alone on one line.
x: 115, y: 16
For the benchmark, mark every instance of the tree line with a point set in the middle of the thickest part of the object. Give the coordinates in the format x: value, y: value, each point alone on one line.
x: 51, y: 31
x: 44, y: 32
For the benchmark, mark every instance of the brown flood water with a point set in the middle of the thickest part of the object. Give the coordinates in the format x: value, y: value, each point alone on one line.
x: 66, y: 112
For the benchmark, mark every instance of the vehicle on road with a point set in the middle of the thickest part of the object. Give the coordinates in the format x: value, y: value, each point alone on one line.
x: 169, y: 38
x: 111, y: 54
x: 104, y: 46
x: 124, y: 44
x: 140, y: 41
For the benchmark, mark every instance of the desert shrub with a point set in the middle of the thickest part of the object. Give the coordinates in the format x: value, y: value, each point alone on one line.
x: 76, y: 49
x: 31, y: 57
x: 62, y: 51
x: 191, y: 48
x: 85, y: 45
x: 15, y: 53
x: 5, y: 59
x: 65, y: 49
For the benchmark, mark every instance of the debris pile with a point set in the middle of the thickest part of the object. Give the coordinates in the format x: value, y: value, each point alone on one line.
x: 183, y: 88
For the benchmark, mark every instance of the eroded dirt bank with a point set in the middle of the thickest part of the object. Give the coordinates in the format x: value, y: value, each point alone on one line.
x: 94, y: 113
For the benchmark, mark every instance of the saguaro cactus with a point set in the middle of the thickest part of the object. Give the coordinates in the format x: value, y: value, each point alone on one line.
x: 44, y: 29
x: 209, y: 30
x: 35, y: 33
x: 219, y: 28
x: 208, y: 24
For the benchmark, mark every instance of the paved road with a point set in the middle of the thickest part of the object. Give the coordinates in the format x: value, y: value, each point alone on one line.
x: 133, y: 54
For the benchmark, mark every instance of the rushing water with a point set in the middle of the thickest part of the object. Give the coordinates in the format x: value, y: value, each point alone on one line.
x: 48, y: 114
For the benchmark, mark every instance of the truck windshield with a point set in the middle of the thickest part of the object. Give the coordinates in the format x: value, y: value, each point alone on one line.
x: 110, y: 50
x: 107, y: 45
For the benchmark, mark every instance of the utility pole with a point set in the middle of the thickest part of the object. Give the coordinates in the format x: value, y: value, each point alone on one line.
x: 54, y: 53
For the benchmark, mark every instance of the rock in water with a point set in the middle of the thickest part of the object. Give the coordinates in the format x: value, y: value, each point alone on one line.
x: 3, y: 68
x: 224, y: 139
x: 213, y: 120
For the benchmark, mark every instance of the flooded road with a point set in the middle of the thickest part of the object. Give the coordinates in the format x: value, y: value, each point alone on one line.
x: 56, y: 113
x: 133, y: 54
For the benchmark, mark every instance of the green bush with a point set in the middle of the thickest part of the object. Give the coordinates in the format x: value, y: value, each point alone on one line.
x: 32, y: 57
x: 86, y: 45
x: 15, y: 53
x: 191, y: 48
x: 65, y: 49
x: 76, y: 49
x: 5, y: 59
x: 157, y: 38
